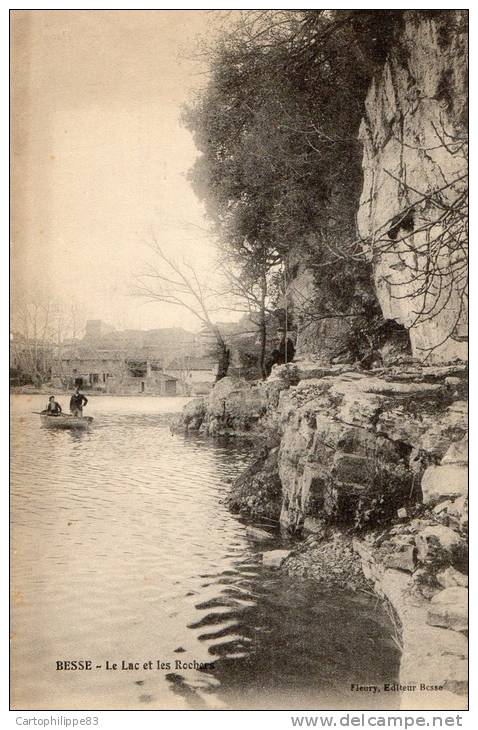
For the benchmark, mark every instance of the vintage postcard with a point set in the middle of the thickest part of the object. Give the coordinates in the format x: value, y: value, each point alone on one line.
x: 238, y: 360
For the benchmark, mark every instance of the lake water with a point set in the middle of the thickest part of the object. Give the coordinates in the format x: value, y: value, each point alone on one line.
x: 123, y: 551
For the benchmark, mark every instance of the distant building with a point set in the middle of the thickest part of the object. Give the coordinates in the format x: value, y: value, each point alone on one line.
x: 96, y: 328
x: 161, y: 344
x: 108, y: 371
x: 158, y: 362
x: 133, y: 382
x: 196, y: 375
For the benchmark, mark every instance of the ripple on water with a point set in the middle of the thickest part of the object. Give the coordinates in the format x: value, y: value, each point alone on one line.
x: 122, y: 549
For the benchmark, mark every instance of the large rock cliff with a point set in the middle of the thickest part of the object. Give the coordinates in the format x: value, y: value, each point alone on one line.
x: 373, y: 462
x: 379, y: 454
x: 348, y: 446
x: 379, y: 458
x: 411, y: 214
x: 354, y: 445
x: 413, y: 208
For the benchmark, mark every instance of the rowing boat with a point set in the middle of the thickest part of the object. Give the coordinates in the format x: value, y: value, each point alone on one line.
x: 65, y: 421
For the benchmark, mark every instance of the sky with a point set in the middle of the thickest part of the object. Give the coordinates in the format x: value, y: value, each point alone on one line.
x: 99, y: 158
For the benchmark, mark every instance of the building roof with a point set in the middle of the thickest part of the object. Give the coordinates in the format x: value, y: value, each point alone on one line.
x: 168, y: 336
x: 92, y: 353
x: 192, y: 363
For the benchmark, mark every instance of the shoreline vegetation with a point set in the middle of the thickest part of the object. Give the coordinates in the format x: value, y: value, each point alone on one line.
x: 332, y: 165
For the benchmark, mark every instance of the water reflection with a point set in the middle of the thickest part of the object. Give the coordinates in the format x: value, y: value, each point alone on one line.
x: 123, y: 550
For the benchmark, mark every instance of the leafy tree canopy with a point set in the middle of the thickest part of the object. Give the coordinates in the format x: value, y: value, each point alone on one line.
x: 277, y: 126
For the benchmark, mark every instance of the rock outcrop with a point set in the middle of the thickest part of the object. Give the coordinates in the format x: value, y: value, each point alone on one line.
x: 358, y: 446
x: 342, y: 451
x: 257, y: 492
x: 357, y: 449
x: 275, y: 558
x: 434, y: 649
x: 354, y: 446
x: 414, y: 140
x: 232, y: 408
x: 370, y: 458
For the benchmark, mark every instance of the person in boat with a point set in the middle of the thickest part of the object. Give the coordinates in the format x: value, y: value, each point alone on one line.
x: 53, y: 408
x: 77, y: 401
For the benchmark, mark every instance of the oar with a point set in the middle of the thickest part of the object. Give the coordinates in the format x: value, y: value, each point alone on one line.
x: 40, y: 413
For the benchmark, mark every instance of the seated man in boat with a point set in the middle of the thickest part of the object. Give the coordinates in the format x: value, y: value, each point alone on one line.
x: 53, y: 408
x: 77, y: 401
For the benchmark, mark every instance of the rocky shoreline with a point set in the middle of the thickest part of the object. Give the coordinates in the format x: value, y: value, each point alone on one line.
x: 369, y: 469
x: 366, y: 463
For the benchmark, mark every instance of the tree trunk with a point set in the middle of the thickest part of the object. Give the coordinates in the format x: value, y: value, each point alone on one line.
x: 263, y: 351
x: 223, y: 360
x: 263, y: 329
x: 223, y: 354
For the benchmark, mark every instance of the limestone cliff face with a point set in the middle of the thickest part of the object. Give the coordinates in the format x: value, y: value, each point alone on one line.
x: 357, y: 447
x: 340, y: 444
x: 379, y: 454
x: 385, y: 452
x: 412, y: 214
x: 413, y: 204
x: 329, y: 340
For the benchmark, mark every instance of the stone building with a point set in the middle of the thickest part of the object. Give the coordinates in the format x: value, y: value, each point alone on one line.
x: 195, y: 375
x: 110, y: 371
x: 159, y: 362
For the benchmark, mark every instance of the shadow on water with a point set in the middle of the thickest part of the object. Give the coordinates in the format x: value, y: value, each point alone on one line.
x: 124, y: 550
x: 74, y: 435
x: 278, y: 643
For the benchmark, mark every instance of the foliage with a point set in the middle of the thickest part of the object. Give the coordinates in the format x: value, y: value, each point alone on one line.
x: 277, y: 128
x: 167, y: 281
x: 390, y: 487
x: 278, y: 121
x: 437, y: 559
x: 39, y: 327
x: 280, y: 170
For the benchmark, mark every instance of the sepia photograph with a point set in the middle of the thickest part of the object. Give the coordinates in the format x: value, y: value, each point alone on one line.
x: 239, y: 360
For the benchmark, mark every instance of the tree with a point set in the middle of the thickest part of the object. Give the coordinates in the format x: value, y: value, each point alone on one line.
x: 39, y: 327
x: 277, y: 124
x: 280, y: 170
x: 181, y: 286
x: 249, y: 283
